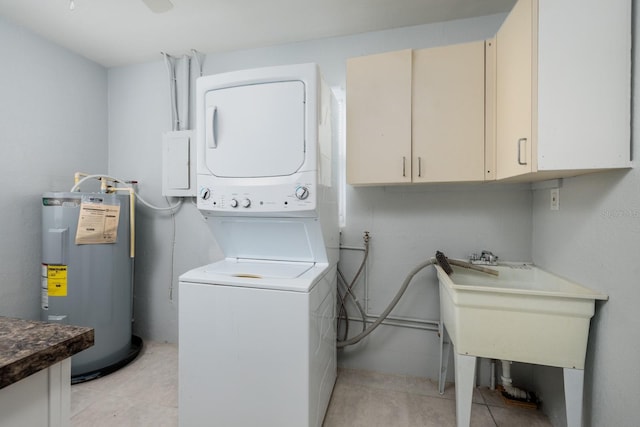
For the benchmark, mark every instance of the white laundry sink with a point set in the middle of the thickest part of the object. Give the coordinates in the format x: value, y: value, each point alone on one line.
x: 525, y: 314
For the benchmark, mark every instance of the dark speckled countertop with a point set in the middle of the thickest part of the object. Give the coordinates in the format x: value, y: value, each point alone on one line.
x: 28, y: 346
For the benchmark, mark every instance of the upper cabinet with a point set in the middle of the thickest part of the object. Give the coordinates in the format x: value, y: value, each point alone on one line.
x: 548, y: 97
x: 417, y: 116
x: 563, y: 89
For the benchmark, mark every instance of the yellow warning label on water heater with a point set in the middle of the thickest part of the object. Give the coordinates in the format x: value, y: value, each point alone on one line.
x: 57, y: 280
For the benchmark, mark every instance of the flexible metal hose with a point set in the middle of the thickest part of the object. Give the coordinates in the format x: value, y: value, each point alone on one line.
x: 390, y: 307
x: 342, y: 313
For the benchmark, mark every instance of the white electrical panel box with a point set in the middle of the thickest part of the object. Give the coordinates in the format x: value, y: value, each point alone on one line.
x: 178, y: 164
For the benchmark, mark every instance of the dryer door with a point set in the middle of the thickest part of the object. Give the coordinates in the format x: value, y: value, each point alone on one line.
x: 255, y: 130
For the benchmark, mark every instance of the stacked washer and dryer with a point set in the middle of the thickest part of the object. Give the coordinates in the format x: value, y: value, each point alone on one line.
x: 257, y: 329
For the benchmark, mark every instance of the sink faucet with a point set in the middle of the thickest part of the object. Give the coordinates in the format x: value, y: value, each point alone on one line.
x: 485, y: 258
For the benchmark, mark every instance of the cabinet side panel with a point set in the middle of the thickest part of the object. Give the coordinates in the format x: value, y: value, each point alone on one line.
x: 584, y: 81
x: 514, y: 57
x: 379, y: 118
x: 490, y: 110
x: 26, y: 402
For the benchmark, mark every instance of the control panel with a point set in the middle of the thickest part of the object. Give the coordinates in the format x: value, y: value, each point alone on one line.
x: 246, y: 199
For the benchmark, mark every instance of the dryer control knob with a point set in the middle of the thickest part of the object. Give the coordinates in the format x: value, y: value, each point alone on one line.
x: 246, y: 203
x: 205, y: 193
x: 302, y: 192
x: 233, y: 203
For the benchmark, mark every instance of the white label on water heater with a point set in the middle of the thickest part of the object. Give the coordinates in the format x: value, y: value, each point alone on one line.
x: 97, y: 223
x: 45, y: 293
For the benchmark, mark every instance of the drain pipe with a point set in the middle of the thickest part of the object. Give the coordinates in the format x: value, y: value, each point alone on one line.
x: 132, y: 217
x: 492, y: 379
x: 506, y: 382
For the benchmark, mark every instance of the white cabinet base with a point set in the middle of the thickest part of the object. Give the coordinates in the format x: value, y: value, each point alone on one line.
x: 41, y: 399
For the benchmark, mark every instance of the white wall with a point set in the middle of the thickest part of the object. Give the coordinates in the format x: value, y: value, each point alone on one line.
x: 166, y: 245
x: 407, y: 224
x: 594, y: 239
x: 53, y: 122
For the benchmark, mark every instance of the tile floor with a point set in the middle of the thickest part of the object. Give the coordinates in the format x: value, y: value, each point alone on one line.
x: 145, y: 393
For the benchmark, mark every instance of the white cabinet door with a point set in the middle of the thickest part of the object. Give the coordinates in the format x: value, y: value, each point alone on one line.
x: 379, y: 118
x: 448, y: 119
x: 41, y: 399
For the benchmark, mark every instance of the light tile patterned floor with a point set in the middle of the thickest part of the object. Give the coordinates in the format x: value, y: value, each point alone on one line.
x: 145, y: 393
x: 370, y: 399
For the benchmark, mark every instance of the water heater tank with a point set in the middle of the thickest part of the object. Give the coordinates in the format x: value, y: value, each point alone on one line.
x: 88, y: 282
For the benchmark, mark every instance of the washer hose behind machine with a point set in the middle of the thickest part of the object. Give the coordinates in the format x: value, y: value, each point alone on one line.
x: 440, y: 259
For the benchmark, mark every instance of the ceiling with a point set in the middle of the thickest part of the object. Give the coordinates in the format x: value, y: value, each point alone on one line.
x: 121, y: 32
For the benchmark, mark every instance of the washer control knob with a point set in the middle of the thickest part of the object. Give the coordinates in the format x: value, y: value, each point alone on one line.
x: 246, y: 203
x: 302, y: 192
x: 233, y: 203
x: 205, y: 193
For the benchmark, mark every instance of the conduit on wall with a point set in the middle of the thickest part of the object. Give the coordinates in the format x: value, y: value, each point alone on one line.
x: 179, y: 71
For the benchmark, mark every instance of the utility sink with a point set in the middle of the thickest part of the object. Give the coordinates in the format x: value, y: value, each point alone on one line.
x: 524, y: 314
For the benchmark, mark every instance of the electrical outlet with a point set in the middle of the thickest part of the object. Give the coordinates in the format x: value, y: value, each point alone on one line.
x: 555, y: 199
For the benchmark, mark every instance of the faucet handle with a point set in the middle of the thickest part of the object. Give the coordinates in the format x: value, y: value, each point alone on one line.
x: 485, y: 257
x: 488, y: 256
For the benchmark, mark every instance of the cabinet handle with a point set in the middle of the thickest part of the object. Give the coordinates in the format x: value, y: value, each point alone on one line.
x: 404, y: 166
x: 419, y: 167
x: 520, y: 141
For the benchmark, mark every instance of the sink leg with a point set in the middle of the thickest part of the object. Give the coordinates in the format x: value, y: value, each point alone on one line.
x: 445, y: 350
x: 465, y: 373
x: 573, y: 392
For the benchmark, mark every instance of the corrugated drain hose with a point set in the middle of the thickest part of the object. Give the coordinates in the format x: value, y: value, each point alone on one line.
x: 390, y: 307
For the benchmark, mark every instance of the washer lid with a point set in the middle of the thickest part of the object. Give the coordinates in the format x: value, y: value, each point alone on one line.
x: 290, y: 240
x: 253, y: 269
x: 274, y: 275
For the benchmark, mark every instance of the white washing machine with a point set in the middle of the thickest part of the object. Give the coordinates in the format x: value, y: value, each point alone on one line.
x: 261, y: 340
x: 257, y: 329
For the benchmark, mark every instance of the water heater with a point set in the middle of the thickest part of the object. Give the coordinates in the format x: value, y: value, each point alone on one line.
x: 87, y: 275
